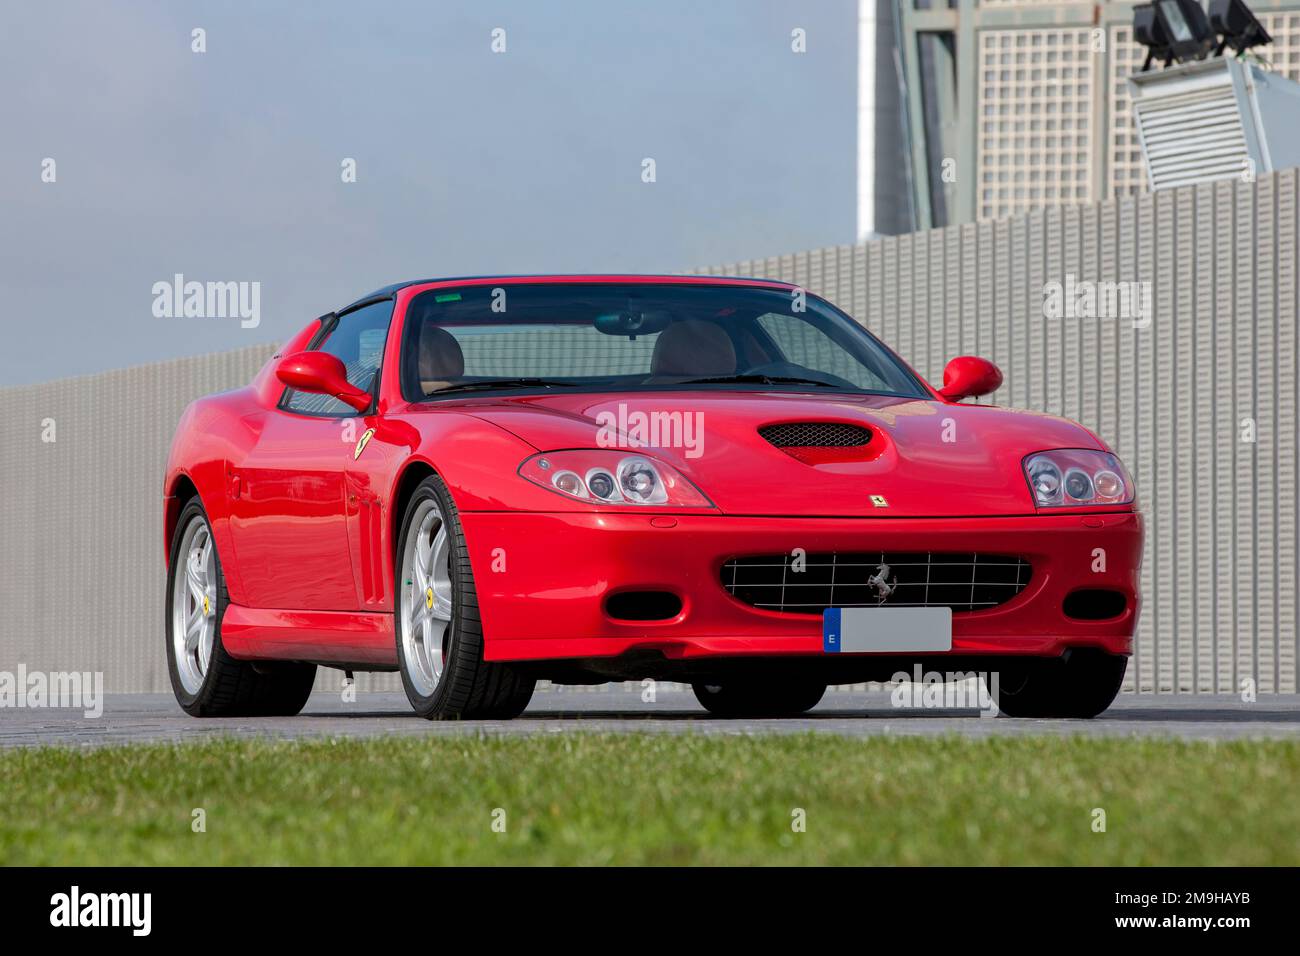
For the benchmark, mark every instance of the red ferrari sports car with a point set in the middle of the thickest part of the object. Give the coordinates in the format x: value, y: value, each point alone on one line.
x: 483, y: 482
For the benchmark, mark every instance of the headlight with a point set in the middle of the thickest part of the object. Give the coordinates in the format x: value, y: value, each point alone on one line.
x: 607, y: 477
x: 1077, y: 477
x: 1078, y: 485
x: 640, y: 482
x: 601, y: 484
x: 1044, y: 479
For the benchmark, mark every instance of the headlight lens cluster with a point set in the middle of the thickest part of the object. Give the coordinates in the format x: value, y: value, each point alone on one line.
x: 600, y: 476
x: 1074, y: 477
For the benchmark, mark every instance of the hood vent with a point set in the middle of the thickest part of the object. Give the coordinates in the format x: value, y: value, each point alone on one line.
x: 822, y: 443
x: 816, y: 435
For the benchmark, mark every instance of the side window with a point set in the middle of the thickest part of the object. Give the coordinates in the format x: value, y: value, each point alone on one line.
x: 357, y: 340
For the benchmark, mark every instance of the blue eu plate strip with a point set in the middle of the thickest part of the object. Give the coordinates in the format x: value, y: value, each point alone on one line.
x: 831, y: 630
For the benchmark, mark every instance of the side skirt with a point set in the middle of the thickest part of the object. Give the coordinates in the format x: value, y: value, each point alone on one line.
x: 341, y: 637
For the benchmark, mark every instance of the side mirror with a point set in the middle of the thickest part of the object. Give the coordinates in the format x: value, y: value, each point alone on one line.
x: 321, y: 374
x: 967, y: 376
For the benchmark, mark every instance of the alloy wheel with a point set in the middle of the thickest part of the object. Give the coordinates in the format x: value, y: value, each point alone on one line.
x: 426, y: 596
x: 194, y: 604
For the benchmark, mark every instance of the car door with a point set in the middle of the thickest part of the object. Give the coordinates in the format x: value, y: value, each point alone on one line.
x: 289, y: 510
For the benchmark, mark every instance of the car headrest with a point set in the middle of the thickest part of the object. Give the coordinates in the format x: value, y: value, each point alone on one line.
x: 693, y: 347
x: 441, y: 359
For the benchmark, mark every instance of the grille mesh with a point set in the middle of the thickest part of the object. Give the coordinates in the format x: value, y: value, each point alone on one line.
x: 961, y: 581
x: 816, y: 435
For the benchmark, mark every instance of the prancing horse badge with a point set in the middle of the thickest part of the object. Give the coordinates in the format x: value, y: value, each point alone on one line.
x: 362, y: 442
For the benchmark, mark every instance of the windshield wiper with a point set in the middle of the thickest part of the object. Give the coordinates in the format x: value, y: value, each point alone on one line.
x: 757, y: 380
x: 502, y: 383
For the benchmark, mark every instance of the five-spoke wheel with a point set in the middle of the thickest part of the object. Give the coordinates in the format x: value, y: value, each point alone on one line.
x: 426, y: 597
x: 194, y: 603
x: 439, y: 633
x: 207, y: 681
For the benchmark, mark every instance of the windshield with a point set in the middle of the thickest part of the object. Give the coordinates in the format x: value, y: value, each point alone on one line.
x: 619, y: 337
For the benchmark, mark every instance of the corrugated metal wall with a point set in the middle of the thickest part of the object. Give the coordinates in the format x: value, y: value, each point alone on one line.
x: 81, y: 516
x: 81, y: 580
x: 1174, y: 399
x: 81, y: 549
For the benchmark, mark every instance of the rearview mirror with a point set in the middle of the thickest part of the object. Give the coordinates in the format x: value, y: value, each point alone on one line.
x: 321, y: 374
x: 967, y: 376
x: 633, y: 323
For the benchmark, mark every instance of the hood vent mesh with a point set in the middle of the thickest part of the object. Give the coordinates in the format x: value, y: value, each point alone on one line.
x: 816, y: 435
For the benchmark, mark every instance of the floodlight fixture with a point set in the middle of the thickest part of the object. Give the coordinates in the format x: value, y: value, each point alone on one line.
x: 1190, y: 36
x: 1172, y: 30
x: 1150, y: 32
x: 1237, y: 26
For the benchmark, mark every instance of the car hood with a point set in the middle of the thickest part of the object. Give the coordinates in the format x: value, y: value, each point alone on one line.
x: 924, y: 457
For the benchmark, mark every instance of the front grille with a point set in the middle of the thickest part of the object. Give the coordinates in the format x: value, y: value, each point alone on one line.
x: 961, y: 581
x: 816, y: 435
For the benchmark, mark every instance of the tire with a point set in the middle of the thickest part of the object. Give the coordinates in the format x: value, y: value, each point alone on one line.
x: 440, y: 648
x: 758, y: 698
x: 1078, y: 685
x: 208, y: 682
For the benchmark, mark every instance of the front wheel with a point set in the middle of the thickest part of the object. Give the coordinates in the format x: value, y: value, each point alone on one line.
x: 1080, y: 684
x: 757, y: 698
x: 207, y: 681
x: 439, y: 632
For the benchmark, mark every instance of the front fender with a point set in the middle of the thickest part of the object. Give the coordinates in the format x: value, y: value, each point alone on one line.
x: 201, y: 449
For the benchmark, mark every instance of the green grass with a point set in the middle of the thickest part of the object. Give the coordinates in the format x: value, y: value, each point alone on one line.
x: 655, y: 799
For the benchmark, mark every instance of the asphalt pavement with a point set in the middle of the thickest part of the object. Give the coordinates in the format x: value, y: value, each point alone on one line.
x: 618, y: 708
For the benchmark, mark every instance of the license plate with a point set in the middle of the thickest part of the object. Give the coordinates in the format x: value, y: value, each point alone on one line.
x: 886, y: 630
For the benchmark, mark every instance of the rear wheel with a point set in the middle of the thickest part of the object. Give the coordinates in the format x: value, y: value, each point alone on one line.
x: 439, y: 632
x: 756, y: 698
x: 207, y: 681
x: 1080, y: 684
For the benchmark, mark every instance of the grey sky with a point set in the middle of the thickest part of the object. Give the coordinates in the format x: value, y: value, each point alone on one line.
x: 226, y: 165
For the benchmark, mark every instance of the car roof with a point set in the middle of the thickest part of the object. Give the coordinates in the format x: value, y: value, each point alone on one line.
x: 390, y: 290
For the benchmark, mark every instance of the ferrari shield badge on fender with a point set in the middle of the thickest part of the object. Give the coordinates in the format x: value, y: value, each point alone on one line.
x: 362, y: 442
x: 877, y: 500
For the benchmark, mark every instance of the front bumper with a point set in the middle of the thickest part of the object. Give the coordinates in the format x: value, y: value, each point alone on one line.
x: 542, y: 580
